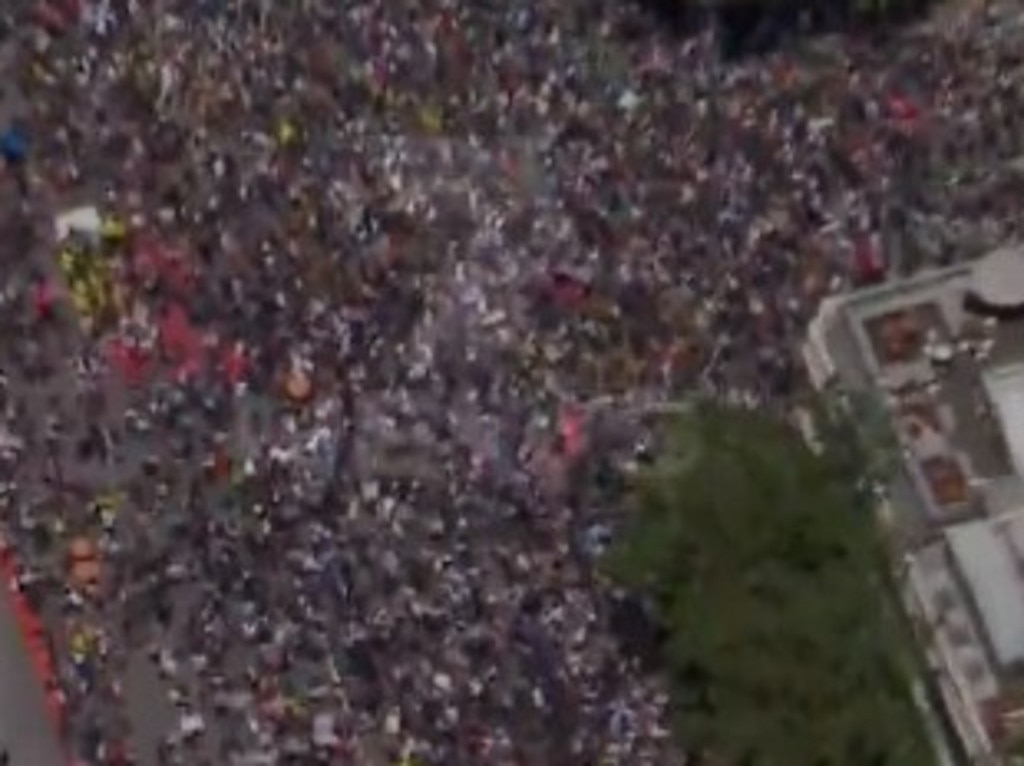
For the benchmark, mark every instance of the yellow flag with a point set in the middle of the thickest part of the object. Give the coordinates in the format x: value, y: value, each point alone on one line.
x: 118, y: 299
x: 101, y: 269
x: 79, y: 645
x: 67, y: 262
x: 431, y: 120
x: 112, y: 229
x: 80, y: 301
x: 286, y: 133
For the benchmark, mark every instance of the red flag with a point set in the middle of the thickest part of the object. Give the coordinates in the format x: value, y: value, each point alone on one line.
x: 570, y: 432
x: 181, y: 342
x: 72, y: 9
x: 902, y: 109
x: 50, y: 17
x: 234, y: 364
x: 904, y: 112
x: 154, y: 263
x: 567, y: 291
x: 128, y: 360
x: 868, y: 261
x: 43, y: 299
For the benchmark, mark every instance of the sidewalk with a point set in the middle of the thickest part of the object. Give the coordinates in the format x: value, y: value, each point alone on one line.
x: 26, y: 725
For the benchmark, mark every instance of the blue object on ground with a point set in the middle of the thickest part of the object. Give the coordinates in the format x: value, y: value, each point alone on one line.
x: 13, y: 146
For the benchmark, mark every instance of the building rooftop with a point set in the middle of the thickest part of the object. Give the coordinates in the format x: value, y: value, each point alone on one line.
x: 1005, y: 388
x: 937, y: 365
x: 944, y: 351
x: 989, y: 557
x: 947, y: 606
x: 998, y: 279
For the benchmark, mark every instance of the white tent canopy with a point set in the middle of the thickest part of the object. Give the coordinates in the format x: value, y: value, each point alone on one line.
x: 1005, y: 388
x: 84, y: 220
x: 999, y: 278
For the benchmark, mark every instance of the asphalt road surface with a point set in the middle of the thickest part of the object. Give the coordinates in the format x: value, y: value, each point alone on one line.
x: 25, y: 729
x: 24, y: 725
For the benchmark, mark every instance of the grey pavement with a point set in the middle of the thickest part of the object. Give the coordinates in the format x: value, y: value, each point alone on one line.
x: 24, y: 724
x: 25, y: 727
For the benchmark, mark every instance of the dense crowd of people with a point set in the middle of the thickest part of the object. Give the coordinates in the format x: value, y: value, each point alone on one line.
x: 307, y: 449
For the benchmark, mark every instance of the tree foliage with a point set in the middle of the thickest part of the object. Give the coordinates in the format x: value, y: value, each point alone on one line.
x: 744, y: 27
x: 763, y: 568
x: 859, y: 443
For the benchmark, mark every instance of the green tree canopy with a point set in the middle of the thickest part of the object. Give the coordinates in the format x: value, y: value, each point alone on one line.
x: 765, y: 571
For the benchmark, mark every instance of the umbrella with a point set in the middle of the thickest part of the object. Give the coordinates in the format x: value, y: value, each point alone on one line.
x: 14, y: 146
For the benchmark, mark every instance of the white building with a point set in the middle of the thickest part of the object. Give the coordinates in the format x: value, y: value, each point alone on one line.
x: 945, y: 352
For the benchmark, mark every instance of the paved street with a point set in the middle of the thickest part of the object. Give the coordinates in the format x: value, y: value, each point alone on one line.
x: 24, y: 727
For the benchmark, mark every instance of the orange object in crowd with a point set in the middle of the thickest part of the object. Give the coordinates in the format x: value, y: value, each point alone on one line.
x: 298, y: 387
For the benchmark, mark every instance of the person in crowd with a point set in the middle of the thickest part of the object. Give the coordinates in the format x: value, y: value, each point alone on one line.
x: 314, y: 411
